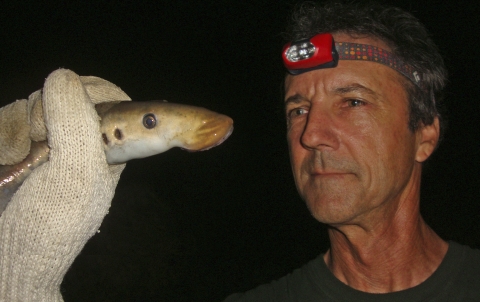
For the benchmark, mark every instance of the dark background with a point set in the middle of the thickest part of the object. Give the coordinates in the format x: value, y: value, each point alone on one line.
x: 199, y: 226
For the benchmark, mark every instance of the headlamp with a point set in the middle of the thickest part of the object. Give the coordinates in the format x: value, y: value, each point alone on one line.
x: 308, y: 54
x: 321, y: 51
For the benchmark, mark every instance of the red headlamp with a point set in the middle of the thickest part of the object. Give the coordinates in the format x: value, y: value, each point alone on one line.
x: 308, y: 54
x: 321, y: 51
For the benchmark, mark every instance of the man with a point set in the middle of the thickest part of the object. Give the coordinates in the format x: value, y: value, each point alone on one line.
x: 361, y: 100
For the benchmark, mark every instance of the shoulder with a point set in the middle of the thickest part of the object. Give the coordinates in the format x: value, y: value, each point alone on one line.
x: 299, y: 285
x: 463, y: 255
x: 461, y: 268
x: 461, y: 263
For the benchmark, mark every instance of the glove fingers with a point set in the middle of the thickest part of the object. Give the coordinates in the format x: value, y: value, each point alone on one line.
x: 100, y: 90
x: 77, y: 160
x: 14, y: 133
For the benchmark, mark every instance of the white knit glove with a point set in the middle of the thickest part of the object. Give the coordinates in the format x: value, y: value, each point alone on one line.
x: 63, y: 202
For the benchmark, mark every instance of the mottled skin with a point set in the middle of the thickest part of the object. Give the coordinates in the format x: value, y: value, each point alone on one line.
x: 12, y: 177
x: 134, y: 130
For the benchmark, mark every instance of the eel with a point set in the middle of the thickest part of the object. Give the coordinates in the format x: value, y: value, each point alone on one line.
x: 133, y: 130
x: 12, y: 177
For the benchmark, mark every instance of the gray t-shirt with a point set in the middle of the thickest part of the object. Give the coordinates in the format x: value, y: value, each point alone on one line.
x: 456, y: 279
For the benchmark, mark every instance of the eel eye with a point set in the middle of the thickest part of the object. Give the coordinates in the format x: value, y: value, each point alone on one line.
x: 149, y: 121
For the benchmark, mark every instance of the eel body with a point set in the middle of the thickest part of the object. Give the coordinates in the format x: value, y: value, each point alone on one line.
x: 12, y: 177
x: 133, y: 130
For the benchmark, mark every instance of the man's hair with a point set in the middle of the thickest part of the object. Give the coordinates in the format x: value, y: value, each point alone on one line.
x: 403, y: 33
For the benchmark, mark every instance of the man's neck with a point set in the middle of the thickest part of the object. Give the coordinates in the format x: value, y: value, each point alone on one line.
x: 386, y: 260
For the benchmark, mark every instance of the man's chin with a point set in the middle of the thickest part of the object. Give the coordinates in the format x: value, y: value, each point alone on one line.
x: 332, y: 211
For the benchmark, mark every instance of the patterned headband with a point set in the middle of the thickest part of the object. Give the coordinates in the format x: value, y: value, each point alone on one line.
x: 365, y: 52
x: 321, y: 51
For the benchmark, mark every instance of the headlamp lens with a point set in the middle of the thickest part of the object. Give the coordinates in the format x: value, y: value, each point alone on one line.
x: 308, y: 54
x: 301, y: 51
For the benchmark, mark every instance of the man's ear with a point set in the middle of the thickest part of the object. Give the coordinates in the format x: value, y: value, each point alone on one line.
x: 427, y: 138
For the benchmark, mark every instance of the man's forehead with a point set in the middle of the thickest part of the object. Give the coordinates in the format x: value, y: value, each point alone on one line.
x: 348, y: 76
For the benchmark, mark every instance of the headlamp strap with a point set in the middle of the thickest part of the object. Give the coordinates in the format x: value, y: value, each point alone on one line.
x: 365, y: 52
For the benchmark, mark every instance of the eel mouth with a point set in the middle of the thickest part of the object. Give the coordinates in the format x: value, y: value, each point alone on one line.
x: 211, y: 140
x: 224, y: 138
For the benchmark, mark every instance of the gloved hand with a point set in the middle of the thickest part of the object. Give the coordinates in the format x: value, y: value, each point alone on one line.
x: 63, y: 202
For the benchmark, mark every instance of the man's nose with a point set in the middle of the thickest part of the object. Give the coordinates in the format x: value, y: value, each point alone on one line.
x: 319, y: 132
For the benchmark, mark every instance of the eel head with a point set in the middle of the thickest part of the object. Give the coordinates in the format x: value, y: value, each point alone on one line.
x: 139, y: 129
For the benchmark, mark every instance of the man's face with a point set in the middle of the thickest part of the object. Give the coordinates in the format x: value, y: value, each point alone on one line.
x: 351, y: 151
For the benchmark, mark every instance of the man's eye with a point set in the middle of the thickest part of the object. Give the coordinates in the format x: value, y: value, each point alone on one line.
x: 355, y: 103
x: 296, y: 112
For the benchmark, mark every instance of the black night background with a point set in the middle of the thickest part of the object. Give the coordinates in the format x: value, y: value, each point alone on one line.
x: 199, y: 226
